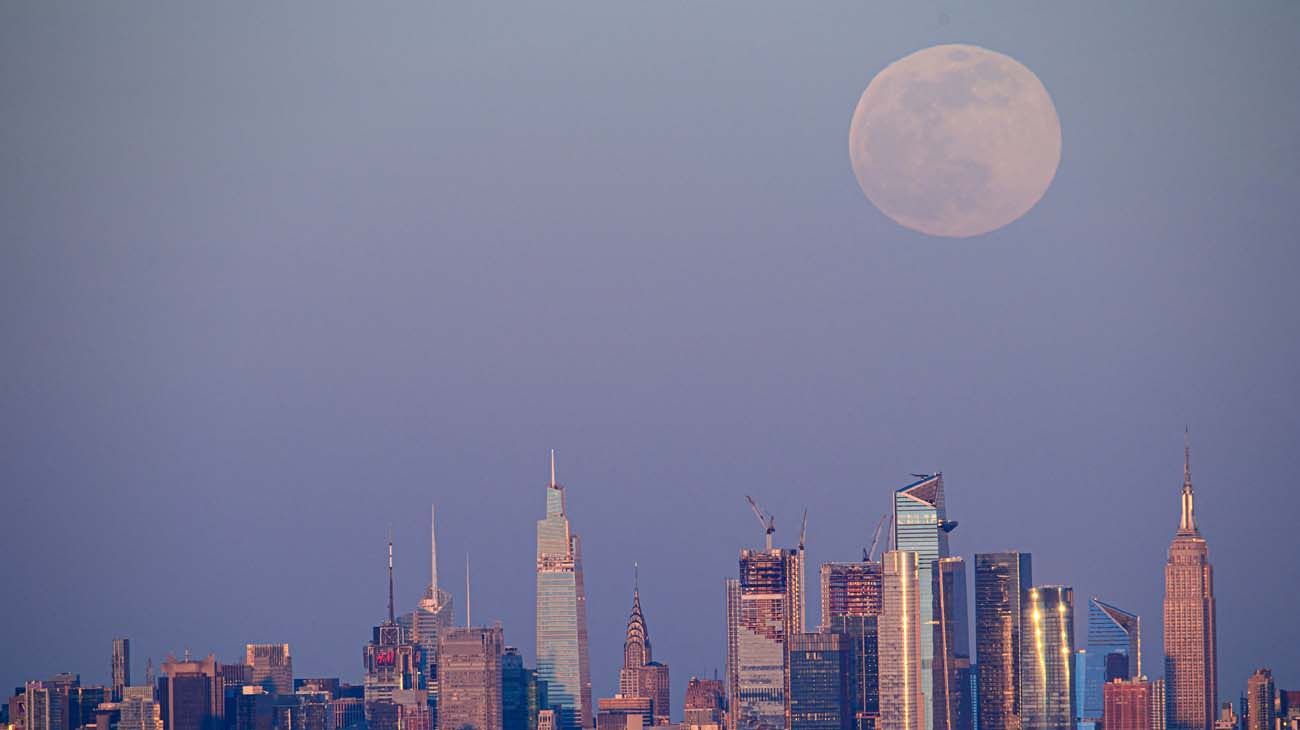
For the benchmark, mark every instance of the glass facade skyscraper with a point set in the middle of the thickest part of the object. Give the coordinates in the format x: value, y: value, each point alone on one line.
x: 921, y: 526
x: 1111, y: 630
x: 951, y: 645
x: 1001, y: 580
x: 819, y: 679
x: 562, y: 660
x: 1047, y: 696
x: 902, y: 702
x: 851, y: 598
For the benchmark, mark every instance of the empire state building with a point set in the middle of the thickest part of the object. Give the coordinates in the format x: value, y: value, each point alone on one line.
x: 1191, y: 660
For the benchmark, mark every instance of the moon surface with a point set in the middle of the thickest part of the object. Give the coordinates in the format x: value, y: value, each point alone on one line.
x: 955, y: 140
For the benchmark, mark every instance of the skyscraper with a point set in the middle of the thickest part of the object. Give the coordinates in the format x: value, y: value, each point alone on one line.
x: 191, y: 694
x: 921, y: 526
x: 1260, y: 696
x: 819, y: 677
x: 902, y: 698
x: 705, y: 702
x: 1047, y: 696
x: 732, y: 677
x: 766, y: 615
x: 1126, y: 705
x: 392, y: 662
x: 1191, y: 659
x: 139, y: 710
x: 272, y: 667
x: 470, y: 671
x: 851, y: 603
x: 522, y: 696
x: 121, y: 667
x: 562, y: 660
x: 951, y: 645
x: 434, y: 613
x: 1111, y: 630
x: 640, y: 675
x: 1001, y: 580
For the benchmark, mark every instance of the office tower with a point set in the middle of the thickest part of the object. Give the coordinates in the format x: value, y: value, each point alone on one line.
x: 851, y: 604
x: 272, y: 667
x: 1079, y: 673
x: 121, y: 667
x: 82, y: 702
x: 253, y: 708
x: 1158, y: 704
x: 819, y: 683
x: 849, y: 589
x: 347, y: 712
x: 767, y: 615
x: 640, y: 675
x: 191, y: 694
x: 921, y: 526
x: 392, y: 662
x: 413, y: 711
x: 623, y: 713
x: 951, y: 643
x: 732, y: 675
x: 1227, y: 718
x: 562, y: 660
x: 139, y: 710
x: 1111, y: 630
x: 522, y: 695
x: 1260, y: 696
x: 434, y: 613
x: 1191, y: 660
x: 49, y: 703
x: 36, y: 707
x: 705, y: 703
x: 902, y: 698
x: 1046, y: 659
x: 1126, y: 705
x: 470, y: 676
x: 1001, y: 580
x: 970, y: 709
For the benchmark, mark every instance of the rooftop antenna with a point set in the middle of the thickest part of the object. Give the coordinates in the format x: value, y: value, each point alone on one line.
x: 467, y: 622
x: 552, y: 467
x: 433, y: 552
x: 391, y: 617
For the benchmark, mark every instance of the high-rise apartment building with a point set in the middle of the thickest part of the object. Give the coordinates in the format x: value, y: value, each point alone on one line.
x: 1158, y: 704
x: 1260, y: 698
x: 1126, y: 705
x: 851, y: 604
x: 121, y: 669
x: 921, y: 526
x: 1111, y: 631
x: 950, y: 705
x: 1001, y: 581
x: 562, y: 659
x: 1047, y: 696
x: 470, y: 678
x: 819, y: 683
x: 271, y: 667
x: 732, y: 674
x: 1191, y: 658
x: 139, y: 710
x: 766, y: 614
x: 903, y: 704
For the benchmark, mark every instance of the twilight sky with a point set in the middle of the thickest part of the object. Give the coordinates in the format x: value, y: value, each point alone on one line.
x: 277, y: 276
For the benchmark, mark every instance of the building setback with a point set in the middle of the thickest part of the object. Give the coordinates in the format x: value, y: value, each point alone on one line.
x: 921, y: 526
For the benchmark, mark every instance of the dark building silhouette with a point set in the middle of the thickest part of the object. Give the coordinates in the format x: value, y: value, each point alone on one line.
x: 1000, y: 581
x: 819, y: 679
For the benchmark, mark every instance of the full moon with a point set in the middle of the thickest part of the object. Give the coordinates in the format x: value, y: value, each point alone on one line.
x: 955, y: 141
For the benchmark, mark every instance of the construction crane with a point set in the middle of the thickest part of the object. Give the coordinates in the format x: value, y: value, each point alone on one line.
x: 767, y: 521
x: 870, y: 552
x: 803, y: 531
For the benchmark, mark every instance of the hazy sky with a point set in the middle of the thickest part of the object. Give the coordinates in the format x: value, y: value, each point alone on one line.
x: 277, y: 276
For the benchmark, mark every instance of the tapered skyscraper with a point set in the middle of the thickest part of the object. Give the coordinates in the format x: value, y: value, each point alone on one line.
x: 562, y: 614
x: 432, y: 615
x: 1191, y: 661
x: 921, y: 526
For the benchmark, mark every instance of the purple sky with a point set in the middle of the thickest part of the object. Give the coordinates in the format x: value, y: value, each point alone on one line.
x: 275, y: 277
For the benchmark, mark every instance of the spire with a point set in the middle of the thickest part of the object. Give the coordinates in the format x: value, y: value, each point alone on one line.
x: 391, y: 617
x: 552, y: 467
x: 467, y: 623
x: 433, y: 552
x: 636, y: 647
x: 1187, y: 521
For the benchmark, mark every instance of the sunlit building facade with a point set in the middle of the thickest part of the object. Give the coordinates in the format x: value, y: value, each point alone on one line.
x: 1047, y: 696
x: 470, y: 671
x: 121, y: 667
x: 849, y: 589
x: 851, y: 596
x: 1191, y: 656
x: 903, y: 703
x: 1260, y: 698
x: 1126, y: 705
x: 271, y: 667
x: 767, y: 614
x: 1111, y: 630
x: 951, y: 700
x: 562, y: 659
x: 921, y: 526
x: 1001, y: 581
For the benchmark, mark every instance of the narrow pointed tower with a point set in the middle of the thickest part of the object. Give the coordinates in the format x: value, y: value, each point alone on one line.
x: 1191, y: 658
